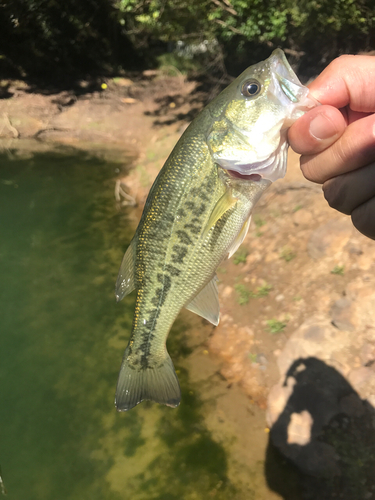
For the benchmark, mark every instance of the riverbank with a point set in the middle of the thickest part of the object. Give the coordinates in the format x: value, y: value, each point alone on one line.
x: 300, y: 287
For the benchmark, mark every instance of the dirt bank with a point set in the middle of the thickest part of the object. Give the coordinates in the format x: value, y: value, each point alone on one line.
x: 301, y: 286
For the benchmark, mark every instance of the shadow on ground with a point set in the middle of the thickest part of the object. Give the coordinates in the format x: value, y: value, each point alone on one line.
x: 327, y: 432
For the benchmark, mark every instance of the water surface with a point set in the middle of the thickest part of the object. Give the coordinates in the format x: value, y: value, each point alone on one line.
x: 62, y: 339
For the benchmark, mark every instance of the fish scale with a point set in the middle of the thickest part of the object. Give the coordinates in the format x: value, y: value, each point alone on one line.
x: 197, y: 213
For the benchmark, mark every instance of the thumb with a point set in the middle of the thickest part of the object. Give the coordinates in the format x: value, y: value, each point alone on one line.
x: 316, y: 130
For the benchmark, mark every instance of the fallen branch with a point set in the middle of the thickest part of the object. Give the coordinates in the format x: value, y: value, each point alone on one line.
x: 119, y: 192
x: 10, y: 127
x: 39, y: 132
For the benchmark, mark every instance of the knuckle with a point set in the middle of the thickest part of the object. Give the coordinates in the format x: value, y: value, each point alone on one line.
x: 307, y: 171
x: 342, y: 151
x: 336, y: 194
x: 342, y: 61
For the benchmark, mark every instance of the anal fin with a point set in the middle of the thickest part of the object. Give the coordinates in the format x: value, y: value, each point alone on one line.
x: 239, y: 238
x: 206, y: 303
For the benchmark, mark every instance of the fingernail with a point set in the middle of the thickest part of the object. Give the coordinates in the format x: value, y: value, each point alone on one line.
x: 321, y: 127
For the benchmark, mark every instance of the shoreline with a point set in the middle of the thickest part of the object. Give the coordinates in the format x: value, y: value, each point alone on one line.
x: 301, y: 286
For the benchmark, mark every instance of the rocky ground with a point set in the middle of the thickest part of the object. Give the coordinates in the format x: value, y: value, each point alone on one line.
x: 297, y: 330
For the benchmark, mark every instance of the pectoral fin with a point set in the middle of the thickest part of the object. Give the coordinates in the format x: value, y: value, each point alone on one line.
x: 226, y: 202
x: 240, y: 237
x: 206, y: 303
x: 126, y: 277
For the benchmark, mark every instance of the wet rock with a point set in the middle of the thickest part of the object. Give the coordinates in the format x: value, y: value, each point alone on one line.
x: 330, y: 238
x: 313, y: 389
x: 315, y: 337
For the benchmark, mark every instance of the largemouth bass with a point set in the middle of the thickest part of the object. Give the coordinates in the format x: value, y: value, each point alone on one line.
x: 198, y: 213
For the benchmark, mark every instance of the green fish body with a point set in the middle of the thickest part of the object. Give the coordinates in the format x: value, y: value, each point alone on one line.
x: 198, y: 213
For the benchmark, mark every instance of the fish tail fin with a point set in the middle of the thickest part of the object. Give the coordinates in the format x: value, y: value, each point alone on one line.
x: 157, y: 383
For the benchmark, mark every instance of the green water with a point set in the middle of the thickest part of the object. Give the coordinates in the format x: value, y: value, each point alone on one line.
x: 62, y: 337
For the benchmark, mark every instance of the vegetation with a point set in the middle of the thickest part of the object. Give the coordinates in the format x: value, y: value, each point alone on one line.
x: 240, y: 256
x: 338, y: 270
x: 46, y: 38
x: 269, y: 21
x: 262, y: 291
x: 276, y: 326
x: 244, y: 294
x: 253, y: 357
x: 259, y: 222
x: 287, y: 254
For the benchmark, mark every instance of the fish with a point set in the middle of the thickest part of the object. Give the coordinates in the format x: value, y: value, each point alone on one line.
x: 198, y: 213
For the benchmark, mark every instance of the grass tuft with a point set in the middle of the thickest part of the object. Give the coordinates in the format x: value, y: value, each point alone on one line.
x: 276, y: 326
x: 240, y: 256
x: 338, y: 270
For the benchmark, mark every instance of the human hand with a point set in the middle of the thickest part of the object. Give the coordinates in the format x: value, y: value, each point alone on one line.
x: 337, y: 140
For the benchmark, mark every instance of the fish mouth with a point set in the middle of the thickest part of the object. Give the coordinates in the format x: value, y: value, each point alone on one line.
x: 248, y: 177
x: 290, y: 85
x: 271, y: 168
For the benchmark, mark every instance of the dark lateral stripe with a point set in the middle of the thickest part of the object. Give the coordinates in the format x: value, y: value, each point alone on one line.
x: 181, y: 213
x: 161, y: 293
x: 179, y: 253
x: 200, y: 210
x: 184, y: 237
x: 218, y: 229
x: 190, y: 205
x: 172, y: 270
x: 192, y: 228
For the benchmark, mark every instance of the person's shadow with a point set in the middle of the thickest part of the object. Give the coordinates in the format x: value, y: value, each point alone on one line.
x: 327, y: 433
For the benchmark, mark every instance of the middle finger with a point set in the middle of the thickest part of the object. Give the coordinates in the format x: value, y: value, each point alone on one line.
x: 348, y: 191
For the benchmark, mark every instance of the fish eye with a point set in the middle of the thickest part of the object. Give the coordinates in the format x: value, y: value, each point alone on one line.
x: 251, y: 88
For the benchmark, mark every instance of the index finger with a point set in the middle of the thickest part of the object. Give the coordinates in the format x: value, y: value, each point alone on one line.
x: 347, y: 80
